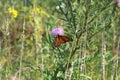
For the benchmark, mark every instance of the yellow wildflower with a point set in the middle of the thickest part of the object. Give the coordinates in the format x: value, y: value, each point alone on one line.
x: 13, y: 12
x: 39, y: 10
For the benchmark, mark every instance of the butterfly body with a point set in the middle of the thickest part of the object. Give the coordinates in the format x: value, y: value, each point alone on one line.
x: 60, y: 40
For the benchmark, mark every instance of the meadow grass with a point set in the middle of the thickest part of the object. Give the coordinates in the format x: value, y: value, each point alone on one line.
x: 26, y: 41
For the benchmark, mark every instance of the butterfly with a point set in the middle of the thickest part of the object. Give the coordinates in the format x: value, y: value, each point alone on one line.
x: 60, y: 40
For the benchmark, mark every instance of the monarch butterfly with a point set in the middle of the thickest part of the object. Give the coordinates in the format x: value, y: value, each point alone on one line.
x: 61, y: 39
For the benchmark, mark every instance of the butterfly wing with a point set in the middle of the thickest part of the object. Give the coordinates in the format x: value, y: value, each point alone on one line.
x: 61, y: 39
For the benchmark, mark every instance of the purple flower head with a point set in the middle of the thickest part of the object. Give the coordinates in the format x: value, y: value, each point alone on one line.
x: 117, y: 1
x: 57, y: 31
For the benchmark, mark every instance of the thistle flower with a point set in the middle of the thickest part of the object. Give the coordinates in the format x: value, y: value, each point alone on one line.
x: 57, y: 31
x: 117, y: 1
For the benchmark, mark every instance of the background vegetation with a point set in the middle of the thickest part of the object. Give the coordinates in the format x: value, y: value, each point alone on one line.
x: 26, y: 42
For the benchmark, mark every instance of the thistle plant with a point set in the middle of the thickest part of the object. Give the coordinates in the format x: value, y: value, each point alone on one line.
x: 83, y: 23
